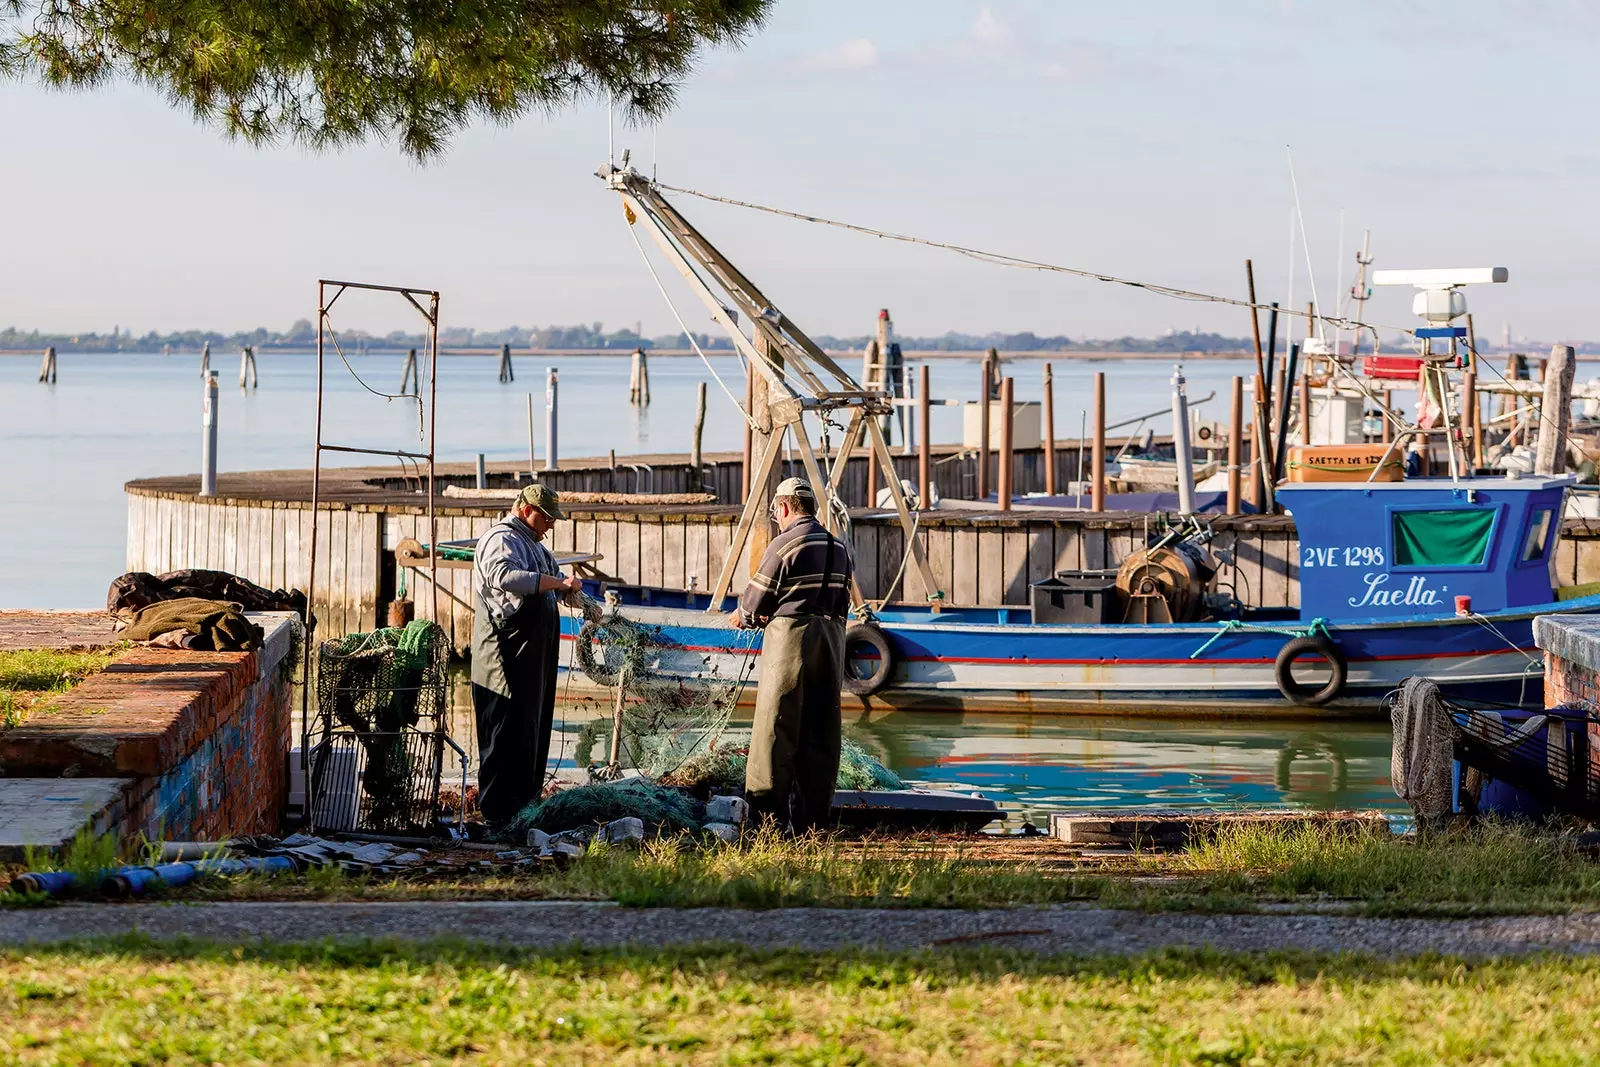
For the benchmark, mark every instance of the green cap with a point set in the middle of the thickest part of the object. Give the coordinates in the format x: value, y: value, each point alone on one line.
x: 795, y: 487
x: 542, y: 498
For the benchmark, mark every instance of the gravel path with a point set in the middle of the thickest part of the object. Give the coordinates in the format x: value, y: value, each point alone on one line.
x: 1045, y: 930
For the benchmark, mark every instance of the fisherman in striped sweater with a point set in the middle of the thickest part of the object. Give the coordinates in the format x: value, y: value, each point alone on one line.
x: 799, y: 595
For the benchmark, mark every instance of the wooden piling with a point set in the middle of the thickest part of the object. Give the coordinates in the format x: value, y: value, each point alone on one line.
x: 1305, y: 408
x: 1049, y: 414
x: 639, y: 379
x: 533, y: 466
x: 925, y: 450
x: 983, y: 430
x: 1555, y: 413
x: 1097, y: 457
x: 1467, y: 418
x: 696, y: 460
x: 1235, y: 443
x: 507, y: 374
x: 205, y: 360
x: 247, y: 368
x: 47, y: 369
x: 768, y: 435
x: 1007, y: 418
x: 410, y: 376
x: 1258, y: 481
x: 1388, y: 426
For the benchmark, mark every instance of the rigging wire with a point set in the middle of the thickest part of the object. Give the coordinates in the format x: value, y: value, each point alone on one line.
x: 686, y: 332
x: 334, y: 337
x: 1001, y: 259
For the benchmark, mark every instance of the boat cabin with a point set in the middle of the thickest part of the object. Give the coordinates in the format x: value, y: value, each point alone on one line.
x: 1371, y: 549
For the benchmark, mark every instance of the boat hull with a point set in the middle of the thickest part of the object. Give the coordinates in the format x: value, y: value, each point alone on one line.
x: 968, y: 660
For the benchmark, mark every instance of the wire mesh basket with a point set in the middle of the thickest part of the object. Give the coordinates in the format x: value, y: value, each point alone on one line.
x: 376, y: 752
x: 1545, y: 753
x: 378, y: 782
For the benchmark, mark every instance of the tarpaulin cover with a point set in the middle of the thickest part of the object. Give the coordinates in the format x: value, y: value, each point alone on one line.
x: 1452, y: 538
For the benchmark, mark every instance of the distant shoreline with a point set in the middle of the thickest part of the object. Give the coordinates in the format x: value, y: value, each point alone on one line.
x: 671, y: 353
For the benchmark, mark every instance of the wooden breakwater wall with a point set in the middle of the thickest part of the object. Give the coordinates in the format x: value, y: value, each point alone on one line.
x: 259, y: 527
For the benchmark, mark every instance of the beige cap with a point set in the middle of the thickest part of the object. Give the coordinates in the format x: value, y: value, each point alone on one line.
x: 795, y: 487
x: 542, y: 498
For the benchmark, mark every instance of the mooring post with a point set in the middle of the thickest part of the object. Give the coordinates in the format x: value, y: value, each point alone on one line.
x: 1007, y: 391
x: 208, y: 438
x: 1049, y: 414
x: 247, y: 368
x: 47, y: 369
x: 1181, y: 442
x: 1556, y: 411
x: 1097, y: 455
x: 1305, y: 409
x: 696, y: 457
x: 639, y: 379
x: 1468, y: 417
x: 983, y: 432
x: 507, y: 374
x: 1235, y: 443
x: 908, y: 425
x: 483, y: 473
x: 925, y: 442
x: 550, y: 415
x: 616, y: 719
x: 205, y: 360
x: 410, y: 377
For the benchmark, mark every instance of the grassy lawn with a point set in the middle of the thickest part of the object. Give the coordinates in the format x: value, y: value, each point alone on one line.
x: 133, y: 1002
x: 1487, y: 870
x: 30, y: 677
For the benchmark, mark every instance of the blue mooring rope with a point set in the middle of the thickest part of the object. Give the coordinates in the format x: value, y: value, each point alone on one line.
x: 1317, y: 627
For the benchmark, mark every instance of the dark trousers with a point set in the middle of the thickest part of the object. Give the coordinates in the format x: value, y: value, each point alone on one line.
x: 794, y: 746
x: 514, y: 727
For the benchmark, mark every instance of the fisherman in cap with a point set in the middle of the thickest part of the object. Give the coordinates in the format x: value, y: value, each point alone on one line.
x: 800, y: 595
x: 516, y: 631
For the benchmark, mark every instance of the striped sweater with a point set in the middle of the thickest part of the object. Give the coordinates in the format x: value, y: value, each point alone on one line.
x: 806, y: 571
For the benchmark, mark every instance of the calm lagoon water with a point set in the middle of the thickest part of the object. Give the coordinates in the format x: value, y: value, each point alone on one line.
x: 67, y: 449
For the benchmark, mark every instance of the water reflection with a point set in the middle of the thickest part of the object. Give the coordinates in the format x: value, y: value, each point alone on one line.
x: 1036, y: 764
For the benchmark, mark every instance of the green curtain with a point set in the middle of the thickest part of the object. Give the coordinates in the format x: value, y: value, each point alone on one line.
x: 1455, y: 538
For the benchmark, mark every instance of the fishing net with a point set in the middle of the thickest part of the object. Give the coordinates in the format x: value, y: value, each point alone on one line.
x: 381, y: 706
x: 721, y: 767
x: 676, y: 703
x: 658, y: 807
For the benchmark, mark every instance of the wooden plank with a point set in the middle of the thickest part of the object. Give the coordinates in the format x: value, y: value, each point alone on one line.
x: 964, y: 568
x: 891, y: 550
x: 1177, y: 829
x: 134, y: 557
x: 628, y: 568
x: 1274, y: 568
x: 697, y: 553
x: 1014, y: 559
x: 941, y: 560
x: 366, y: 544
x: 651, y: 548
x: 719, y: 539
x: 1095, y: 551
x: 1292, y: 558
x: 991, y: 566
x: 674, y: 554
x: 294, y: 572
x: 866, y: 554
x: 1577, y: 561
x: 279, y: 539
x: 1041, y: 552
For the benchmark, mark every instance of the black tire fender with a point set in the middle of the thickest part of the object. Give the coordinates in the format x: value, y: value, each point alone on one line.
x: 1292, y: 690
x: 863, y: 633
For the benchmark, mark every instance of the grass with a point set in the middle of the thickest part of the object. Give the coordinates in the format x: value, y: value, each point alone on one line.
x: 29, y: 676
x: 1490, y: 869
x: 134, y: 1001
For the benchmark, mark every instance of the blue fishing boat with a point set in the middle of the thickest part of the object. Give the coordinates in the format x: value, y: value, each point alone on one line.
x: 1422, y: 576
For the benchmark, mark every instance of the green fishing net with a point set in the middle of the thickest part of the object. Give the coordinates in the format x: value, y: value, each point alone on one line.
x: 721, y: 767
x: 659, y: 807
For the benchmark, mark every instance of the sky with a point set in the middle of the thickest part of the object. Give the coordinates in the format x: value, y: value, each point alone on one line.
x: 1148, y: 140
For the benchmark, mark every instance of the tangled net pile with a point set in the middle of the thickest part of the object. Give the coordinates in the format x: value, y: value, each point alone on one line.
x: 380, y: 688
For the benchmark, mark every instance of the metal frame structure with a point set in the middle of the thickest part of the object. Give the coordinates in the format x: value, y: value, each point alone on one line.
x: 797, y: 371
x: 427, y: 415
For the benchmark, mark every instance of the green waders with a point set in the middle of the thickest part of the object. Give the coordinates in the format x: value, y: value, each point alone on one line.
x: 794, y: 747
x: 514, y: 698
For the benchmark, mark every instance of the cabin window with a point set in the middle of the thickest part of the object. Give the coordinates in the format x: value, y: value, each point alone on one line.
x: 1458, y: 537
x: 1536, y: 542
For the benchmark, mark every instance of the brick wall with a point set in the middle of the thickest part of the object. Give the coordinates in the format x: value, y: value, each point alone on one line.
x: 201, y: 739
x: 1566, y: 682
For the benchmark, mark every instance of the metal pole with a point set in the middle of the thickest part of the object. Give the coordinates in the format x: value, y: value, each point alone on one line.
x: 533, y: 466
x: 1180, y: 443
x: 1083, y: 435
x: 1097, y: 458
x: 1283, y: 414
x: 208, y: 439
x: 1259, y: 418
x: 433, y: 452
x: 695, y: 453
x: 983, y: 433
x: 550, y: 419
x: 925, y: 445
x: 1235, y: 443
x: 483, y: 475
x: 1049, y: 414
x: 1007, y: 391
